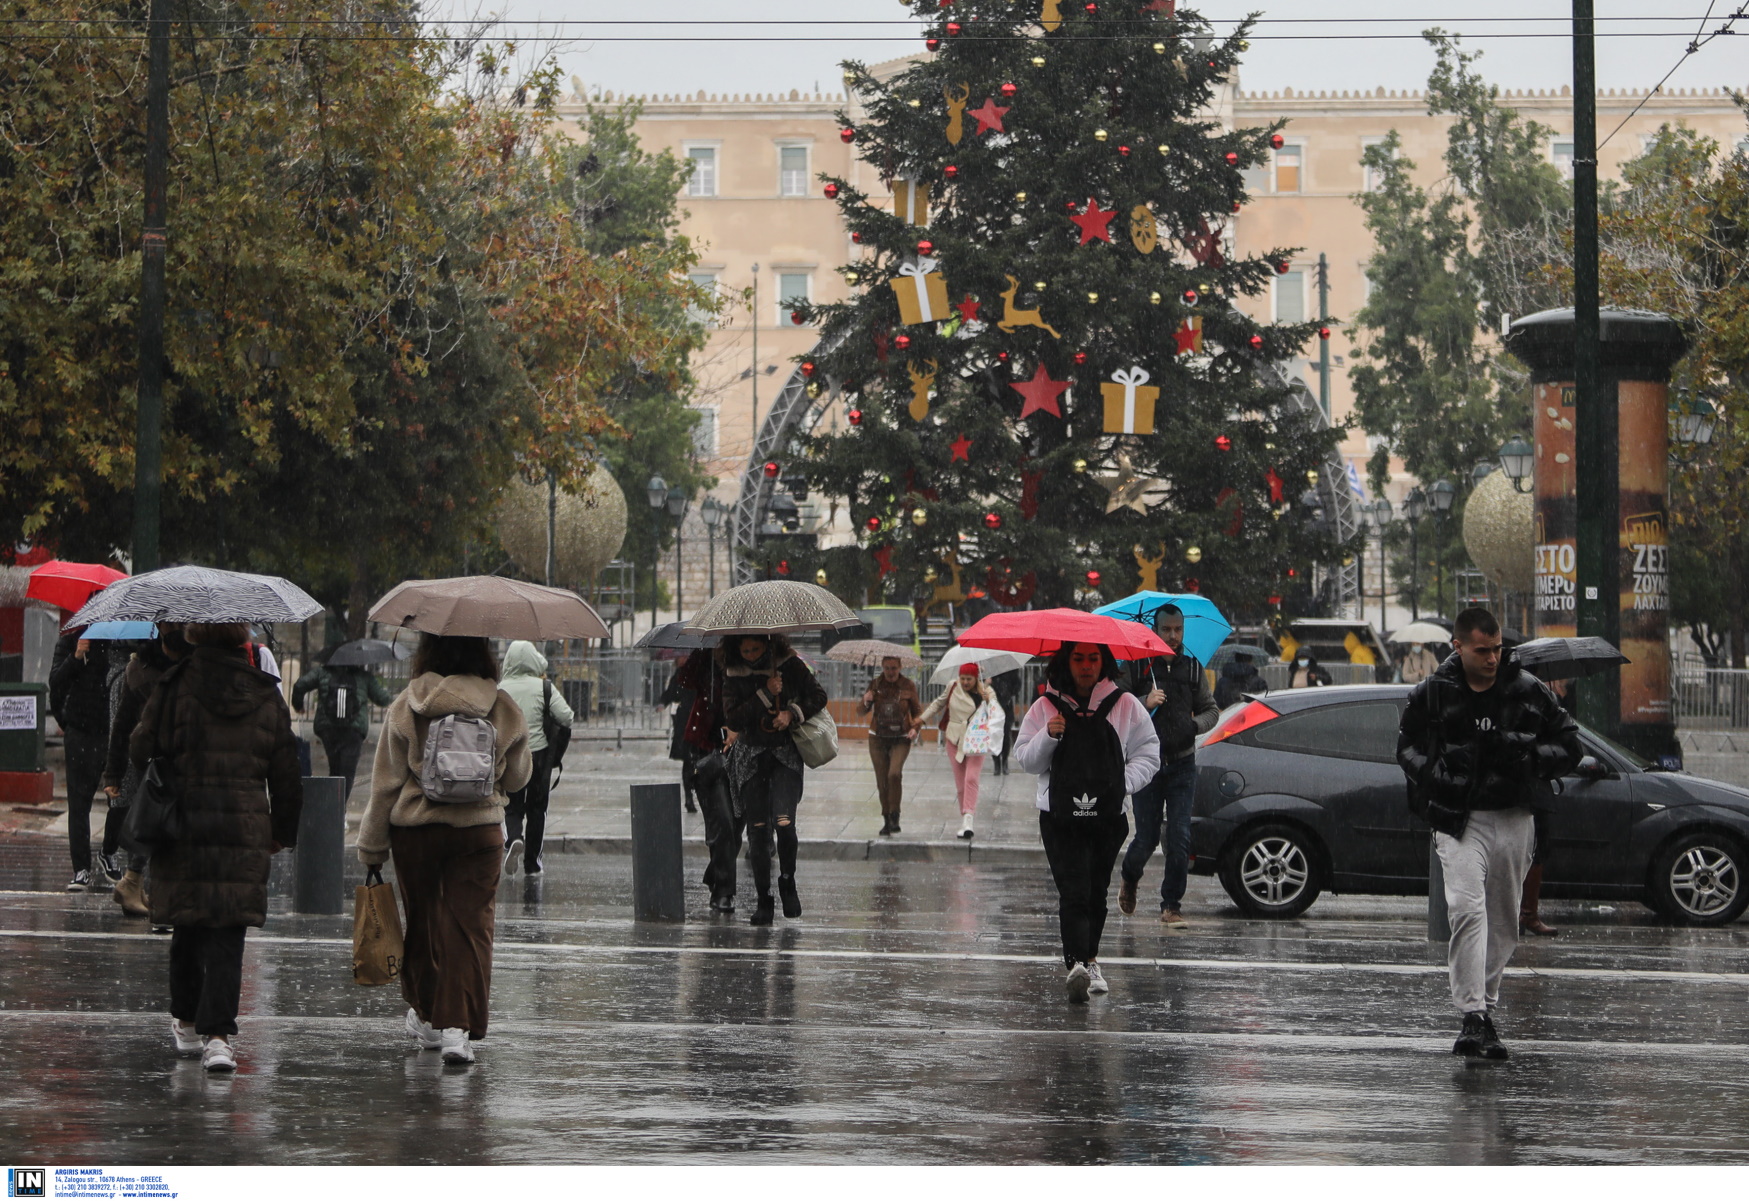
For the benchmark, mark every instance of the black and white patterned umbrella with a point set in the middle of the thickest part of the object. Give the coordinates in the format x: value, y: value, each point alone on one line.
x: 203, y: 594
x: 772, y: 607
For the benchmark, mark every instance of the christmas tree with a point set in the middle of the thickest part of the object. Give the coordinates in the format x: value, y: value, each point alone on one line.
x: 1049, y: 393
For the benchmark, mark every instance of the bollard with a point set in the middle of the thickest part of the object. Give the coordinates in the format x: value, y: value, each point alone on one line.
x: 658, y: 879
x: 321, y: 856
x: 1438, y: 920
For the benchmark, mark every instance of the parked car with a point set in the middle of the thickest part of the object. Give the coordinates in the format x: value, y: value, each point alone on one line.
x: 1300, y: 793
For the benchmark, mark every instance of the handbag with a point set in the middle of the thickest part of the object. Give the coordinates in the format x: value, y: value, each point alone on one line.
x: 556, y: 732
x: 155, y: 818
x: 984, y: 731
x: 377, y: 947
x: 817, y: 739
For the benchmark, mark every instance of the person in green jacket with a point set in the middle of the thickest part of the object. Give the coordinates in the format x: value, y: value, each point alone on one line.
x: 342, y: 720
x: 525, y: 682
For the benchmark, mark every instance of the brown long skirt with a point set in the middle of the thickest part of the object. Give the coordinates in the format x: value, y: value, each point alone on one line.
x: 448, y: 878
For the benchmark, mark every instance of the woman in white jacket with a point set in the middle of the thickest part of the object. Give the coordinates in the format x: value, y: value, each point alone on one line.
x: 961, y: 701
x: 1082, y: 821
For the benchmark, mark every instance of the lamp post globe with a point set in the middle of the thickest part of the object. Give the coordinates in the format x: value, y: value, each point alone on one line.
x: 657, y: 491
x: 1440, y: 494
x: 1516, y: 458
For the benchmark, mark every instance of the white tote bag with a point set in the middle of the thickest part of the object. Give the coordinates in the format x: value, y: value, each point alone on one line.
x: 984, y: 731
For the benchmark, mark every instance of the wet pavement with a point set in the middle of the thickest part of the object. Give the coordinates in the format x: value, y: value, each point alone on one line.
x: 914, y: 1015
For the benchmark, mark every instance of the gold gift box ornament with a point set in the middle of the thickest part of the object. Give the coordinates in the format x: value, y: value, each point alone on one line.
x: 911, y: 201
x: 1129, y: 402
x: 922, y: 293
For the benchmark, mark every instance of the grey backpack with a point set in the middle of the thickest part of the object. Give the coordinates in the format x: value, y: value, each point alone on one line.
x: 459, y: 767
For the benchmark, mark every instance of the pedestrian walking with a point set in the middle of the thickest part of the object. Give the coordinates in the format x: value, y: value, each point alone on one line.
x: 1307, y: 672
x: 452, y: 745
x: 1090, y: 743
x: 342, y: 719
x: 543, y: 706
x: 1238, y: 677
x: 140, y: 675
x: 956, y: 708
x: 224, y: 728
x: 79, y: 700
x: 1175, y: 692
x: 682, y: 698
x: 1478, y: 738
x: 768, y: 692
x: 1006, y: 686
x: 893, y: 707
x: 701, y: 741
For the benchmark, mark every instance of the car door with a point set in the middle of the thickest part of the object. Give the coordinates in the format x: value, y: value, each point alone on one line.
x: 1590, y: 824
x: 1350, y: 765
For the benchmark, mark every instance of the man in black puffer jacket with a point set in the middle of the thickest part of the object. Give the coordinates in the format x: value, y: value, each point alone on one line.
x: 1479, y: 739
x: 79, y: 699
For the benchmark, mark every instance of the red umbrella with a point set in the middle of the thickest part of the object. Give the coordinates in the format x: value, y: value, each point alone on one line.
x: 70, y: 585
x: 1042, y: 631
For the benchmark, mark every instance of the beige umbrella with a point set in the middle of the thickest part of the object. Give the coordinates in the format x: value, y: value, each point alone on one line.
x: 488, y: 606
x: 868, y: 652
x: 772, y: 607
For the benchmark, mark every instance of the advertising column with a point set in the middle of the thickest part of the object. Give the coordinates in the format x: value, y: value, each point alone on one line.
x: 1556, y: 513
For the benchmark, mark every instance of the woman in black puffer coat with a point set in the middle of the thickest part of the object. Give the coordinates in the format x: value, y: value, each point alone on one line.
x: 768, y: 692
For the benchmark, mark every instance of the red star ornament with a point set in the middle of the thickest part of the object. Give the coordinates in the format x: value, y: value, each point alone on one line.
x: 962, y: 449
x: 968, y: 309
x: 1189, y: 336
x: 1095, y: 222
x: 1041, y: 392
x: 989, y: 117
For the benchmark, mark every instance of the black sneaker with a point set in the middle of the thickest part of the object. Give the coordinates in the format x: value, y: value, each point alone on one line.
x: 1469, y: 1040
x: 1492, y: 1047
x: 886, y: 827
x: 81, y: 881
x: 112, y: 865
x: 792, y: 904
x: 763, y: 912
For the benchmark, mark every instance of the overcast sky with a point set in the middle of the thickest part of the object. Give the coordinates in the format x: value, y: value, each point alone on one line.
x: 1302, y: 45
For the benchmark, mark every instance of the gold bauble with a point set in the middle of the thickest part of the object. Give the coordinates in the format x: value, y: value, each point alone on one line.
x: 1080, y: 466
x: 1312, y: 476
x: 851, y: 278
x: 590, y: 528
x: 916, y: 103
x: 1205, y: 289
x: 1020, y: 198
x: 820, y: 577
x: 1038, y: 60
x: 1093, y: 298
x: 1154, y: 298
x: 1500, y: 533
x: 1164, y: 149
x: 1159, y: 47
x: 814, y: 389
x: 1099, y: 135
x: 1193, y: 554
x: 931, y: 575
x: 1039, y: 286
x: 919, y: 516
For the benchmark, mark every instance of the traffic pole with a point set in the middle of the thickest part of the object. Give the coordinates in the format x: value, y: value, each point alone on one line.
x: 149, y: 399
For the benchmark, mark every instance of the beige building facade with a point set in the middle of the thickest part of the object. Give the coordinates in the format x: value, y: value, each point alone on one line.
x: 762, y: 225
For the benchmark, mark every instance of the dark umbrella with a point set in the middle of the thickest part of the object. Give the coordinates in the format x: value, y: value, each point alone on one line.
x: 672, y: 637
x: 361, y: 652
x: 1566, y: 658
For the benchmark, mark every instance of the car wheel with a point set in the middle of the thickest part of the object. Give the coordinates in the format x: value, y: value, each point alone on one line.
x: 1701, y: 879
x: 1272, y: 870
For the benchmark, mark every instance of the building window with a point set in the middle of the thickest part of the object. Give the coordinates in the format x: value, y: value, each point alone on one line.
x: 1370, y: 179
x: 1562, y: 153
x: 1290, y: 297
x: 1288, y: 163
x: 792, y: 174
x: 1256, y: 180
x: 704, y: 171
x: 704, y: 434
x: 706, y: 282
x: 791, y: 287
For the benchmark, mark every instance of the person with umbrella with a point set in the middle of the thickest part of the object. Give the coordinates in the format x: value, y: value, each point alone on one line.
x: 894, y: 708
x: 699, y: 732
x: 79, y: 700
x: 958, y: 705
x: 1175, y: 692
x: 145, y: 667
x: 342, y: 684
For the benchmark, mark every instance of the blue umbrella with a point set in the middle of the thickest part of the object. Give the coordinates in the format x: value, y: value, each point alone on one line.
x: 122, y: 631
x: 1205, y: 628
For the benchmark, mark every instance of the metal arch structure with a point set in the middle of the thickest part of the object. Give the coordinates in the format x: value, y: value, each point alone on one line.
x: 1334, y: 491
x: 792, y: 410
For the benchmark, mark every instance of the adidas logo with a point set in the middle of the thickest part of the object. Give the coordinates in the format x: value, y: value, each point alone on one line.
x: 1085, y: 803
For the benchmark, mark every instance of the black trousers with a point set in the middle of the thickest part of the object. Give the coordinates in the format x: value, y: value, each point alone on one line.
x: 722, y: 834
x: 206, y: 977
x: 85, y: 755
x: 1082, y: 851
x: 343, y: 747
x: 771, y: 794
x: 528, y: 804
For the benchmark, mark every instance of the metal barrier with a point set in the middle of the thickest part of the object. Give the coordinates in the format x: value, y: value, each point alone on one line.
x: 1709, y: 698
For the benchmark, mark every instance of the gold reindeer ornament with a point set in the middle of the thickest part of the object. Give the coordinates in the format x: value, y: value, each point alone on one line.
x: 1015, y: 318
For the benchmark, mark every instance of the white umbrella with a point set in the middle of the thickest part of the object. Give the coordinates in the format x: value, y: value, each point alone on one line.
x: 198, y: 594
x: 1418, y: 632
x: 990, y: 663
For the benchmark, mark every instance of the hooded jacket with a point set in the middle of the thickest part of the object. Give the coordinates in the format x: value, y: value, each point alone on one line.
x: 1035, y: 747
x: 395, y: 796
x: 228, y: 736
x: 748, y: 708
x: 525, y: 673
x: 1464, y: 750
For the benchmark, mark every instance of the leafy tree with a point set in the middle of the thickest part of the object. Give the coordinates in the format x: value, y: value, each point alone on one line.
x: 1075, y: 186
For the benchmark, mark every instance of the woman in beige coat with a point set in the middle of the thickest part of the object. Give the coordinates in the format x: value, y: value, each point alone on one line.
x: 448, y: 856
x: 961, y: 701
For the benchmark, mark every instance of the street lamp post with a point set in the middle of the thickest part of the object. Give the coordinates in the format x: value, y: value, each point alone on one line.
x: 677, y: 510
x: 657, y: 491
x: 1440, y: 495
x: 1379, y: 515
x: 1414, y: 506
x: 713, y: 511
x: 1516, y: 459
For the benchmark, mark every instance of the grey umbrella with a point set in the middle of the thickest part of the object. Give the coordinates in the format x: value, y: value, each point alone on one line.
x: 1567, y: 658
x: 202, y: 594
x: 361, y: 652
x: 671, y: 637
x: 772, y: 607
x: 488, y: 606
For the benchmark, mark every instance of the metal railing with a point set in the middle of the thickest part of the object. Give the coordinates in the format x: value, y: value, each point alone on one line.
x: 1708, y: 698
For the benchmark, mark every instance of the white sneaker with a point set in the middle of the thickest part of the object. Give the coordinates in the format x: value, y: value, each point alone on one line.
x: 513, y: 857
x: 188, y: 1043
x: 1096, y: 979
x: 965, y: 825
x: 456, y: 1048
x: 421, y: 1032
x: 1079, y: 981
x: 218, y: 1056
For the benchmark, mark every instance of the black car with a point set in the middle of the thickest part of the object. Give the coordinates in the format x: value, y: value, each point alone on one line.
x: 1298, y: 792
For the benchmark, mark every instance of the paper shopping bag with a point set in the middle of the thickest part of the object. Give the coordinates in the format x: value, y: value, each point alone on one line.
x: 376, y: 932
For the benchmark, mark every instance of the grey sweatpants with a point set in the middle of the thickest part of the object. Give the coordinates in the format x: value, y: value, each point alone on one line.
x: 1484, y: 881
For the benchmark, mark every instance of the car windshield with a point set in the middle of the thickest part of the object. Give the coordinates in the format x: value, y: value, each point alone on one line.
x: 888, y: 625
x: 1621, y: 752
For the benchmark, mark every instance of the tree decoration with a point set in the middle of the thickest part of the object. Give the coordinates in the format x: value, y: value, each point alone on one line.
x: 902, y: 342
x: 1041, y: 393
x: 922, y: 293
x: 1094, y: 222
x: 873, y: 524
x: 1205, y: 245
x: 932, y: 44
x: 883, y: 558
x: 854, y: 416
x: 1008, y: 91
x: 926, y: 247
x: 911, y: 202
x: 967, y: 309
x: 1148, y: 579
x: 1129, y: 489
x: 1277, y: 487
x: 821, y: 578
x: 1080, y: 358
x: 1129, y: 402
x: 992, y: 520
x: 951, y: 171
x: 1189, y: 337
x: 1014, y: 318
x: 921, y: 383
x: 962, y: 449
x: 919, y: 517
x: 990, y: 117
x: 831, y: 191
x: 996, y: 584
x: 783, y: 568
x: 1256, y: 341
x: 1223, y: 444
x: 772, y: 470
x: 957, y: 99
x: 847, y: 135
x: 1324, y: 334
x: 1029, y: 484
x: 1144, y: 230
x: 1276, y: 141
x: 1050, y: 18
x: 1093, y: 578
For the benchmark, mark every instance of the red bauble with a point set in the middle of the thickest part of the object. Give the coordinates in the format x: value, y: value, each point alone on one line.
x: 1008, y: 90
x: 951, y: 171
x: 1093, y: 578
x: 1091, y: 7
x: 1223, y: 444
x: 1256, y: 341
x: 1124, y: 150
x: 953, y: 29
x: 847, y: 135
x: 831, y: 191
x: 1236, y: 206
x: 1275, y: 601
x: 1001, y: 356
x: 1276, y: 140
x: 1080, y: 358
x: 1292, y: 572
x: 992, y: 521
x: 783, y: 567
x: 1193, y: 585
x: 1281, y: 268
x: 771, y: 470
x: 1190, y: 296
x: 932, y: 43
x: 926, y: 247
x: 857, y: 238
x: 854, y: 417
x: 1324, y: 333
x: 808, y: 369
x: 903, y: 341
x: 1232, y: 159
x: 796, y: 318
x: 873, y: 524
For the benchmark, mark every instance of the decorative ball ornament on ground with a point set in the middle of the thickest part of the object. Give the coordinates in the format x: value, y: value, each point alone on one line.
x: 589, y: 528
x: 1500, y: 533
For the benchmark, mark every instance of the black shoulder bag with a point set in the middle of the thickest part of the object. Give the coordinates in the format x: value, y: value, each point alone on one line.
x: 155, y: 818
x: 557, y: 733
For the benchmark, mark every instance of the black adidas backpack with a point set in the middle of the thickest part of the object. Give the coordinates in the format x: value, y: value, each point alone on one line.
x: 1087, y: 766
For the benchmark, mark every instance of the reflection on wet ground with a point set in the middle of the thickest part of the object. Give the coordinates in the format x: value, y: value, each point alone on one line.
x: 916, y: 1014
